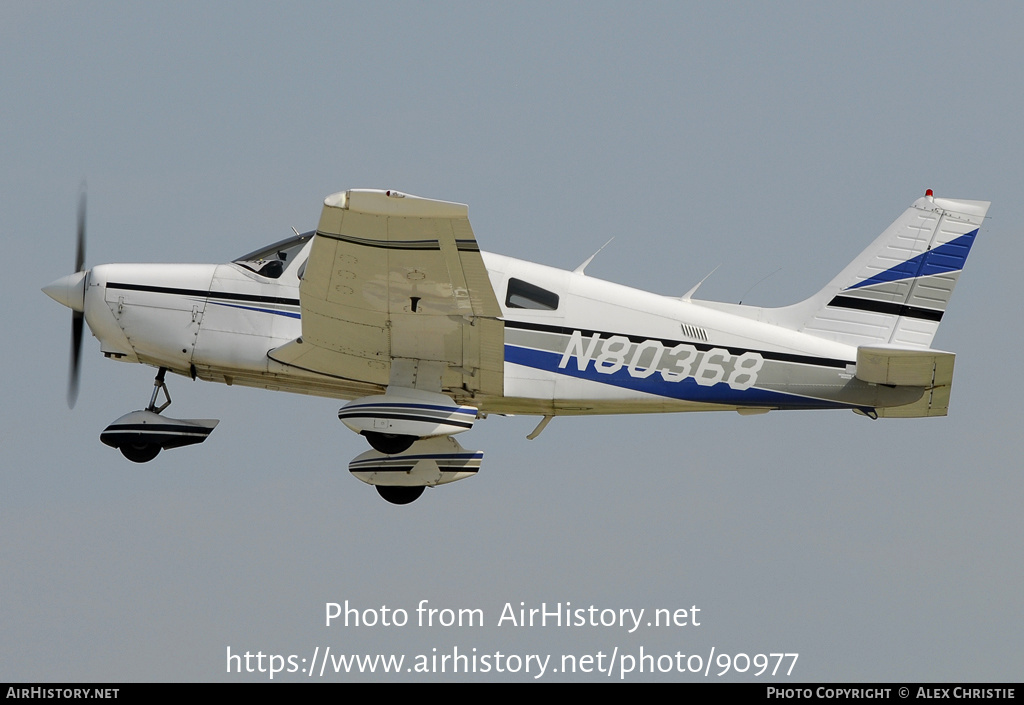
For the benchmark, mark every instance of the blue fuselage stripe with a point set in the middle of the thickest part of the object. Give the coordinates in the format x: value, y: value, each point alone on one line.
x: 685, y: 390
x: 287, y: 314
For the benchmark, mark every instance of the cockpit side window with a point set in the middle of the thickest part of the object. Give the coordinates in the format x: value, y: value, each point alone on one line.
x: 526, y: 295
x: 271, y: 261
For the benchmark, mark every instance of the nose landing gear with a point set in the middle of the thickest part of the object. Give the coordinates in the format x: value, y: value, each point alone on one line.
x: 141, y: 435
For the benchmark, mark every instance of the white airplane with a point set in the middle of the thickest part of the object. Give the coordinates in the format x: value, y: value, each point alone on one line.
x: 391, y: 304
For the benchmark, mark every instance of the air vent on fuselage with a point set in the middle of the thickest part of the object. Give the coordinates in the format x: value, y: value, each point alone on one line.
x: 694, y: 332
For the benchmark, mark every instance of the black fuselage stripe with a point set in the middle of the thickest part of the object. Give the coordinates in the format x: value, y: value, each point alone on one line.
x: 766, y: 354
x: 227, y: 295
x: 886, y: 307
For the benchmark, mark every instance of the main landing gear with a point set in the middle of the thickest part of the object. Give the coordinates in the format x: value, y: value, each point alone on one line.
x: 141, y: 435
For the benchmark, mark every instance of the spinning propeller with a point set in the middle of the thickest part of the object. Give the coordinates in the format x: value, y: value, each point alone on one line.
x: 70, y: 291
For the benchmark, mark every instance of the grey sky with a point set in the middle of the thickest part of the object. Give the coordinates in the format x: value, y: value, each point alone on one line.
x: 755, y: 136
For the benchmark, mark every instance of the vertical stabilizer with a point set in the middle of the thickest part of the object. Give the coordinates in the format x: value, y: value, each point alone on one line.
x: 896, y: 291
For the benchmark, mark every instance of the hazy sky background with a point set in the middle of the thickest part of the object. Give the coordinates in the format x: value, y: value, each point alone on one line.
x: 755, y: 136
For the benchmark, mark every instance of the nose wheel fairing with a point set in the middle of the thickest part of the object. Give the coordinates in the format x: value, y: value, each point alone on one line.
x: 140, y: 435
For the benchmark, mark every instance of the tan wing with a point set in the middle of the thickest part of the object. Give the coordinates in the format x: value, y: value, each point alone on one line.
x: 395, y: 292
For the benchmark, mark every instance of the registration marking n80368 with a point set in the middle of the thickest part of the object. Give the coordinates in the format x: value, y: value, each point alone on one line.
x: 641, y: 360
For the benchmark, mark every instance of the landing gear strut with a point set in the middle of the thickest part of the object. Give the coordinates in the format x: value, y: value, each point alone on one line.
x: 141, y: 451
x: 158, y: 386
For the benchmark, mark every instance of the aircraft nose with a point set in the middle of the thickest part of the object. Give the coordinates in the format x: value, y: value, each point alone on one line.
x: 69, y: 290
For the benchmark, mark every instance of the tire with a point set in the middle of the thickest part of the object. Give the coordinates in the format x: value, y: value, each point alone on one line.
x: 389, y: 443
x: 140, y: 452
x: 399, y: 495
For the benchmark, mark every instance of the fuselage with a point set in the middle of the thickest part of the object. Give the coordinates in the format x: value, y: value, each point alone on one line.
x: 573, y: 344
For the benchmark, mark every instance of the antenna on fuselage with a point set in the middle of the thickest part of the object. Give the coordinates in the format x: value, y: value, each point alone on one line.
x: 579, y: 270
x: 758, y: 282
x: 687, y: 295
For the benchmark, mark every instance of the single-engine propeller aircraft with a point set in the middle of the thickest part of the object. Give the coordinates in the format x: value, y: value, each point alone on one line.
x: 390, y: 304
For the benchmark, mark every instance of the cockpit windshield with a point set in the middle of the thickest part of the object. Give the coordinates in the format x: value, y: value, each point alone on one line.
x: 271, y: 261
